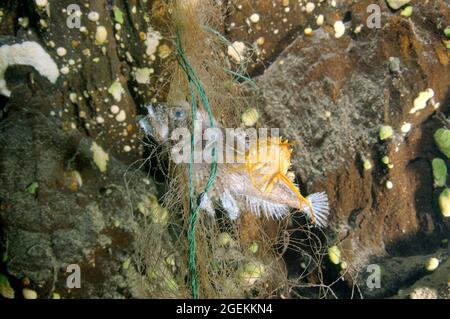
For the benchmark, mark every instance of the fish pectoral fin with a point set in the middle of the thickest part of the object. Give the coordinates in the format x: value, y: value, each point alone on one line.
x: 207, y: 204
x: 230, y: 205
x: 256, y: 206
x: 320, y: 208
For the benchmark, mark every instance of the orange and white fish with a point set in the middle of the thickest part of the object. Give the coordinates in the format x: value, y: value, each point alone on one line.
x: 259, y: 185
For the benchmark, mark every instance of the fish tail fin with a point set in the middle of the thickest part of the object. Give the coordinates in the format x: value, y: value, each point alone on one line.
x: 320, y: 208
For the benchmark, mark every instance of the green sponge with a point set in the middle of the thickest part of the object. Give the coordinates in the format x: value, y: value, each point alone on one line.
x: 439, y: 172
x: 442, y: 139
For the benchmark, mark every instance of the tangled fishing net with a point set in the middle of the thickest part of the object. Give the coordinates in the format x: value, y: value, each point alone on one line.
x: 183, y: 251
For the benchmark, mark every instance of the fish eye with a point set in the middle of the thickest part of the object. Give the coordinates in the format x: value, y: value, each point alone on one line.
x: 179, y: 114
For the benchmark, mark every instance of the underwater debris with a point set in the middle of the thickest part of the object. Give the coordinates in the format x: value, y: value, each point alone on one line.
x: 386, y: 132
x: 254, y: 18
x: 61, y: 51
x: 29, y: 294
x: 56, y: 295
x: 444, y: 202
x: 367, y: 165
x: 407, y: 11
x: 142, y: 75
x: 121, y: 116
x: 254, y: 247
x: 26, y: 281
x: 41, y: 3
x: 421, y: 101
x: 394, y: 64
x: 250, y: 117
x: 73, y: 180
x: 116, y: 90
x: 118, y: 15
x: 164, y: 51
x: 423, y: 293
x: 101, y: 35
x: 32, y: 188
x: 339, y: 29
x: 24, y: 22
x: 320, y: 20
x: 447, y: 32
x: 237, y: 51
x: 251, y: 272
x: 397, y: 4
x: 100, y: 157
x: 64, y: 70
x: 6, y: 290
x: 439, y: 172
x: 334, y: 254
x: 442, y: 139
x: 152, y: 39
x: 406, y: 127
x: 308, y: 31
x: 310, y: 6
x: 93, y: 16
x: 389, y: 185
x: 26, y: 53
x: 149, y: 206
x: 224, y: 239
x: 432, y: 264
x: 126, y: 263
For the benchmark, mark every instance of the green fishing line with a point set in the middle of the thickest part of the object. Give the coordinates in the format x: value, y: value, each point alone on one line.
x: 239, y: 75
x: 195, y: 88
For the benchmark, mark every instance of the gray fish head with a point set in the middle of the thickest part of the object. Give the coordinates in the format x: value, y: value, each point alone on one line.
x: 162, y: 119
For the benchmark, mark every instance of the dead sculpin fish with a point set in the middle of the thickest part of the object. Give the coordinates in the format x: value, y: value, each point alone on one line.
x: 258, y: 183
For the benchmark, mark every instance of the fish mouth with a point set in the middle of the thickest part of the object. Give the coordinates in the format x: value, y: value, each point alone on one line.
x: 154, y: 124
x: 145, y: 125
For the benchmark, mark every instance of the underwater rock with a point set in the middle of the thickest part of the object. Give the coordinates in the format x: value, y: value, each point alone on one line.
x: 401, y: 275
x: 423, y: 293
x: 60, y: 227
x: 434, y: 285
x: 348, y: 78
